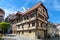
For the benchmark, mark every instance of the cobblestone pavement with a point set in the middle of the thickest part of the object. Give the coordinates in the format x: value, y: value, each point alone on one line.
x: 24, y: 38
x: 55, y: 38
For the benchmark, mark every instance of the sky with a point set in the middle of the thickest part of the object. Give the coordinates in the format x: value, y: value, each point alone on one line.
x: 12, y: 6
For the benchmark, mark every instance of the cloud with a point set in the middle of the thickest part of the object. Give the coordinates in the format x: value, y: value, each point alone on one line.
x: 23, y: 9
x: 10, y: 8
x: 13, y: 10
x: 8, y: 11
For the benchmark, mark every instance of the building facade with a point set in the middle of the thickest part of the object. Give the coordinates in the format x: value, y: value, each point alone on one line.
x: 58, y: 29
x: 31, y: 23
x: 10, y: 19
x: 51, y: 29
x: 2, y: 13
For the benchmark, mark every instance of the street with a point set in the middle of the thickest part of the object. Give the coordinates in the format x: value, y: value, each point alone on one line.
x: 24, y: 38
x: 55, y: 38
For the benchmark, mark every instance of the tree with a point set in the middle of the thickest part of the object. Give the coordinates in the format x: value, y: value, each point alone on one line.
x: 4, y: 26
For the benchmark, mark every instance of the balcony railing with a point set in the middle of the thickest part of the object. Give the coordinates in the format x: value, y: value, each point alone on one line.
x: 19, y: 29
x: 21, y: 22
x: 32, y: 18
x: 25, y: 28
x: 26, y: 20
x: 32, y: 27
x: 42, y: 20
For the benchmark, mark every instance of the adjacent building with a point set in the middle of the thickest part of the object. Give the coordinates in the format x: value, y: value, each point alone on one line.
x: 31, y: 23
x: 2, y: 13
x: 51, y: 29
x: 10, y: 18
x: 58, y: 29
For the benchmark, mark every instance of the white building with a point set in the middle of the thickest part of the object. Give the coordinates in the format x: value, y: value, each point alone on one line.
x: 58, y: 29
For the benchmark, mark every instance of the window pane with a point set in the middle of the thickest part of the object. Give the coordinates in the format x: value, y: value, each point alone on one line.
x: 33, y: 24
x: 33, y: 14
x: 18, y: 27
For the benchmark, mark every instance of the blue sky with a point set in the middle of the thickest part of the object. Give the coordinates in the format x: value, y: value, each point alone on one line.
x: 12, y: 6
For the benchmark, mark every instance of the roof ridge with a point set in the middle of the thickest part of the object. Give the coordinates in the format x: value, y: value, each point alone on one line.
x: 29, y: 10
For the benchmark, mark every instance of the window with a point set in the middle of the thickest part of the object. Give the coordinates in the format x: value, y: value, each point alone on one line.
x: 29, y: 24
x: 33, y: 24
x: 25, y: 25
x: 21, y: 26
x: 27, y: 17
x: 18, y: 27
x: 17, y: 20
x: 43, y: 25
x: 21, y: 18
x: 40, y: 8
x: 29, y: 31
x: 39, y: 24
x: 33, y: 14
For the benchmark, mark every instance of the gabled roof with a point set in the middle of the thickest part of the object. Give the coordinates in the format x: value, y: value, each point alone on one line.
x: 33, y: 8
x: 9, y: 18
